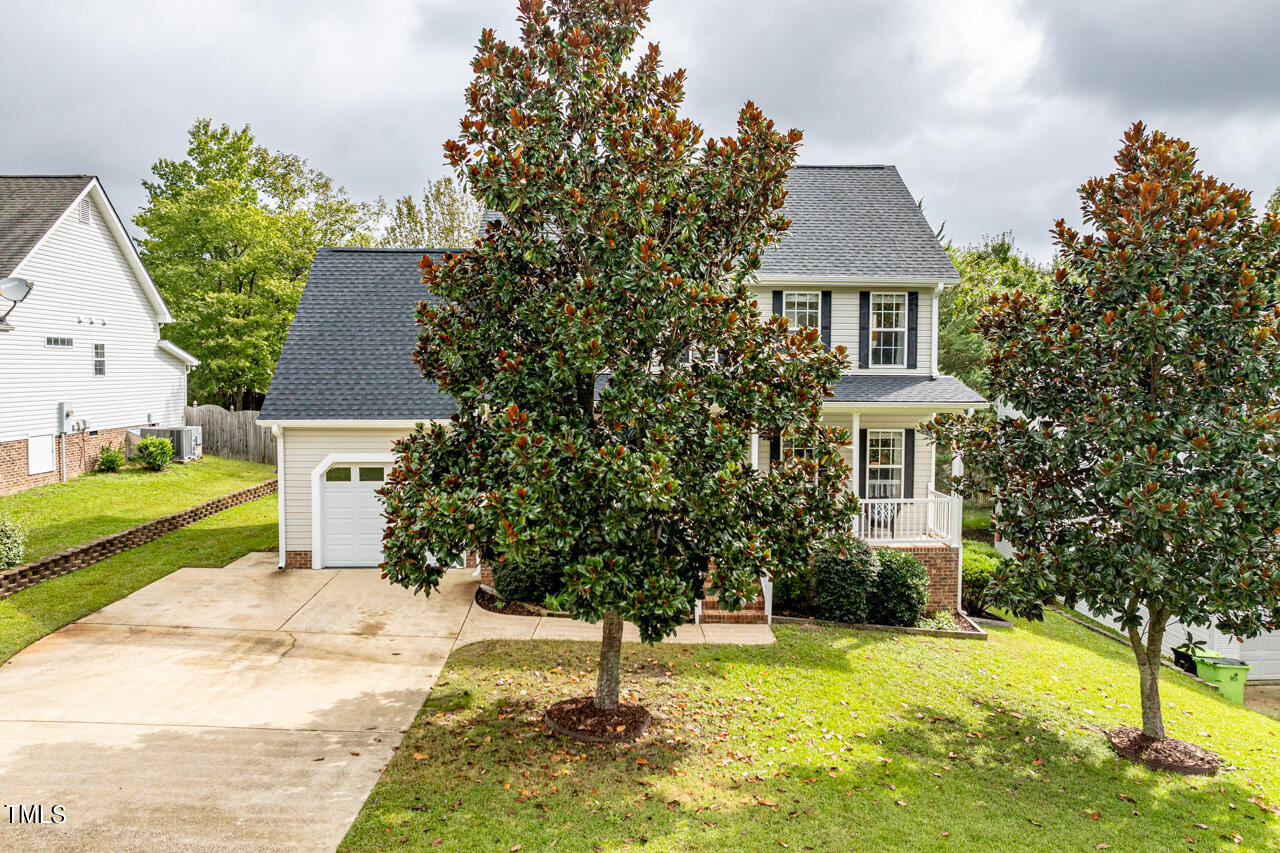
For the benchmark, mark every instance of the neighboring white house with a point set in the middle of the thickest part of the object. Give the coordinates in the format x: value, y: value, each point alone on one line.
x: 87, y: 335
x: 859, y: 263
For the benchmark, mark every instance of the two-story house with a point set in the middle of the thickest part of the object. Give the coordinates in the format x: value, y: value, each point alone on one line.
x: 860, y: 263
x: 81, y: 356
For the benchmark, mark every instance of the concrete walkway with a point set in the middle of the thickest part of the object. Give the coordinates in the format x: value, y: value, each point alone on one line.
x: 235, y: 709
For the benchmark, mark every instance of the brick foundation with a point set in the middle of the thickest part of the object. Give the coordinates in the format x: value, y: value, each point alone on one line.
x: 82, y: 454
x: 20, y: 577
x: 297, y: 559
x: 943, y: 563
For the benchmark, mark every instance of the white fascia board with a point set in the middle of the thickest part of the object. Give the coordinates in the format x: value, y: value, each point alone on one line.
x: 178, y: 352
x: 859, y: 281
x: 348, y: 423
x: 932, y: 406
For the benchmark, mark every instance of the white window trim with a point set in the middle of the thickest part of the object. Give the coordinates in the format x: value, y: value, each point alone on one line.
x: 317, y: 494
x: 873, y: 328
x: 817, y: 294
x: 901, y: 466
x: 71, y: 342
x: 94, y: 351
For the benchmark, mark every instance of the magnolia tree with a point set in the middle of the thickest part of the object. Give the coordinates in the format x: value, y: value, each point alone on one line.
x: 608, y: 361
x: 1142, y: 478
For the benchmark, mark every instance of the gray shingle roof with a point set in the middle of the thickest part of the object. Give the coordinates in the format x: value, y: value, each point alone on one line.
x: 907, y: 390
x: 855, y: 221
x: 348, y: 355
x: 850, y: 221
x: 29, y: 206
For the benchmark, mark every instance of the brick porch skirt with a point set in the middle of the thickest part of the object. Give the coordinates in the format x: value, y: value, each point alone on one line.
x: 941, y: 561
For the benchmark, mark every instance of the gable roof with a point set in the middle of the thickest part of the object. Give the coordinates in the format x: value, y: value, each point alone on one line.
x: 857, y: 222
x: 30, y: 205
x: 349, y: 352
x: 849, y: 222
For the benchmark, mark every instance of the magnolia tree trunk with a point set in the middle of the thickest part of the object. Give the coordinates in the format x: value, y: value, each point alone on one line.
x: 1148, y: 655
x: 610, y: 662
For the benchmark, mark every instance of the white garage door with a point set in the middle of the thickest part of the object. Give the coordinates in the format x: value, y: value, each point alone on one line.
x: 351, y: 513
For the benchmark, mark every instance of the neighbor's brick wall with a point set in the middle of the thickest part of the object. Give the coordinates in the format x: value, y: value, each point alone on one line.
x: 82, y: 454
x: 943, y: 563
x: 20, y: 577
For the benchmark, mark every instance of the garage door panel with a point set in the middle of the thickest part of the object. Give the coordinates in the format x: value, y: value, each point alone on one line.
x: 351, y: 513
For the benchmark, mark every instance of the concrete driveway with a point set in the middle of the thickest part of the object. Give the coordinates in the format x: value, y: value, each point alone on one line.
x: 240, y: 708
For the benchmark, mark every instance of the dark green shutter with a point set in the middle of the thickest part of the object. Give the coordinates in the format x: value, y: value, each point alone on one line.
x: 864, y: 329
x: 824, y: 319
x: 775, y: 449
x: 913, y: 326
x: 777, y: 303
x: 909, y: 463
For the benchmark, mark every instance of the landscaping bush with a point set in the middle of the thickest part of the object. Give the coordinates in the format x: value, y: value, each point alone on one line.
x: 980, y: 560
x: 110, y: 460
x: 793, y: 593
x: 901, y: 590
x: 531, y: 580
x: 844, y: 571
x: 155, y: 452
x: 13, y: 541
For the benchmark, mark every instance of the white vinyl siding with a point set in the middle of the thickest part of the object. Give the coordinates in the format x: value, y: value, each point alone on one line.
x: 307, y: 447
x: 85, y: 293
x: 844, y: 319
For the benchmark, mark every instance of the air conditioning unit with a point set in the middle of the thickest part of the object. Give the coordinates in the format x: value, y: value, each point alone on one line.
x: 188, y: 441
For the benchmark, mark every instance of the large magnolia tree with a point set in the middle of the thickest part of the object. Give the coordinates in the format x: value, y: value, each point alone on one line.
x: 607, y: 358
x: 1144, y: 477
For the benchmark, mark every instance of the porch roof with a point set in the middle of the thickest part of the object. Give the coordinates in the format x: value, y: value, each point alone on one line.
x: 905, y: 390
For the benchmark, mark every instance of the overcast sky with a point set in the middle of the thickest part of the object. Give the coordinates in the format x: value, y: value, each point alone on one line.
x: 994, y: 111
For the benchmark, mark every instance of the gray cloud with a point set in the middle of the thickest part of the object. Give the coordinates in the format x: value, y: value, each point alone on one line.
x: 994, y: 110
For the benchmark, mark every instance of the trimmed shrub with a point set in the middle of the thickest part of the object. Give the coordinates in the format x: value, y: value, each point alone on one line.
x: 530, y: 581
x: 844, y: 572
x: 901, y: 590
x: 793, y: 593
x: 155, y: 452
x: 110, y: 460
x: 980, y: 561
x: 13, y: 542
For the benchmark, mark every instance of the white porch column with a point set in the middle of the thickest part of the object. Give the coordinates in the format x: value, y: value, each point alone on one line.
x: 755, y: 450
x: 857, y: 450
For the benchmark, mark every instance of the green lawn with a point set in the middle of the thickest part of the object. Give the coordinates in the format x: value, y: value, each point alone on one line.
x: 977, y: 516
x: 85, y: 508
x: 28, y: 615
x: 829, y: 740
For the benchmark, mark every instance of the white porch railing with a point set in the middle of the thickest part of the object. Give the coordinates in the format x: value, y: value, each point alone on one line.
x: 936, y: 518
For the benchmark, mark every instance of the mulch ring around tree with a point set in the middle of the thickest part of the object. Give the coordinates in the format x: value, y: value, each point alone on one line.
x: 580, y: 719
x: 493, y: 604
x: 1168, y: 754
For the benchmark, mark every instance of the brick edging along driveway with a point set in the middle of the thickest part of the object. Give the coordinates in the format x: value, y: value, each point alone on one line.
x: 29, y: 574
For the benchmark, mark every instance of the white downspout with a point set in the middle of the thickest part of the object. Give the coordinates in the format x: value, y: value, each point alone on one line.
x: 280, y: 526
x: 937, y: 298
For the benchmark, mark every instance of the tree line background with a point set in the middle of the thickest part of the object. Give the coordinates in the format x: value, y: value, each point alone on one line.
x: 231, y: 230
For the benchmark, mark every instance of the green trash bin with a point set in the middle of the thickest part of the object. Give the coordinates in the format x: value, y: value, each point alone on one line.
x: 1228, y: 673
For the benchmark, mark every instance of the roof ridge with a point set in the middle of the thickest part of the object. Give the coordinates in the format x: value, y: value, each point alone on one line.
x: 842, y: 166
x: 83, y: 177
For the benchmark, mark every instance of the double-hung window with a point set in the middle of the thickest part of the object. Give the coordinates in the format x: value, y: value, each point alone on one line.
x: 885, y: 451
x: 802, y: 308
x: 99, y: 359
x: 889, y: 329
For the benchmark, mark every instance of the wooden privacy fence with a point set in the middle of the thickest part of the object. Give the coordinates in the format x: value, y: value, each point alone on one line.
x: 233, y: 434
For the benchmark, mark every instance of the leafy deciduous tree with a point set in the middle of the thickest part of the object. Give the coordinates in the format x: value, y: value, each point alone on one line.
x: 582, y: 435
x: 230, y: 234
x: 1144, y: 479
x: 448, y: 218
